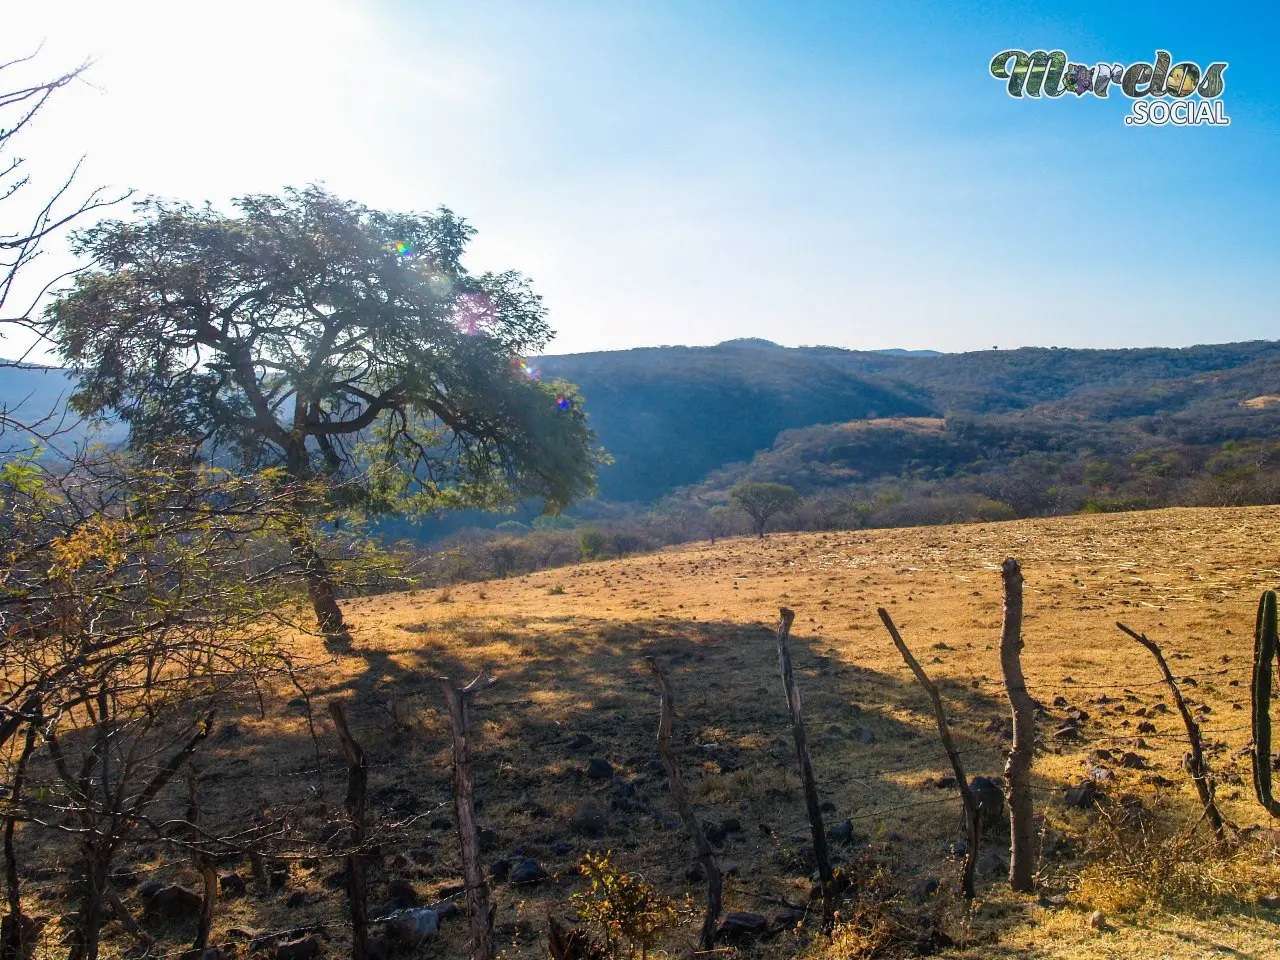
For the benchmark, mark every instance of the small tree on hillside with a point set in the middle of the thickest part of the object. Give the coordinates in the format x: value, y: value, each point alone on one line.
x: 763, y: 501
x: 333, y: 341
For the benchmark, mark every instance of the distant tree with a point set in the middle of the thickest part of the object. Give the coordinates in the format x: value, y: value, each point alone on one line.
x: 334, y: 342
x: 763, y: 501
x: 594, y: 544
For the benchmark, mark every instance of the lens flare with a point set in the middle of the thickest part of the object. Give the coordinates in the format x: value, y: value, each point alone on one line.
x: 524, y: 368
x: 563, y: 403
x: 403, y: 249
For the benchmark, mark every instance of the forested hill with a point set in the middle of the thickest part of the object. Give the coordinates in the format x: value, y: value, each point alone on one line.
x: 670, y: 415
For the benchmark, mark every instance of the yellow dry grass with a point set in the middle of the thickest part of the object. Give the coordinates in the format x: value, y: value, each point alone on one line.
x: 569, y: 663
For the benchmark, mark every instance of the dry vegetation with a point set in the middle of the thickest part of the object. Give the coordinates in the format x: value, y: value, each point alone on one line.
x: 567, y: 644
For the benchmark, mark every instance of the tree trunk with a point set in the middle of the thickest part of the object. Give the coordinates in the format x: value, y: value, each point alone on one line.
x: 324, y: 599
x: 88, y: 922
x: 1017, y: 770
x: 15, y: 941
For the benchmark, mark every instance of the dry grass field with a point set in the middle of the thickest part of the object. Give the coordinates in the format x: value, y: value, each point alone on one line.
x: 567, y: 647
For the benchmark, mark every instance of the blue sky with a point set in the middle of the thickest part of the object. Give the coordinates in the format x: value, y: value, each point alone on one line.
x: 840, y: 173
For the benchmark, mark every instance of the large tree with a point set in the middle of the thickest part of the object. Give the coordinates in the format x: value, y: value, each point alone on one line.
x: 762, y: 501
x: 339, y: 344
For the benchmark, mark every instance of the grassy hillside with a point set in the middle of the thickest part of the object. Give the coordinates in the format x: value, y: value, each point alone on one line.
x: 566, y: 646
x: 669, y: 415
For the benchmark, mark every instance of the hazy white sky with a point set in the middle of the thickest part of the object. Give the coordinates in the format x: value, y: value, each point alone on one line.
x: 843, y: 174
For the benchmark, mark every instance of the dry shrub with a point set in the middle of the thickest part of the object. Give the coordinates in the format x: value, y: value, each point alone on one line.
x: 1145, y: 861
x: 875, y: 918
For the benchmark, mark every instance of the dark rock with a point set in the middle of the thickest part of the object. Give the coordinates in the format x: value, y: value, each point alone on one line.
x: 231, y: 885
x: 172, y: 902
x: 991, y: 864
x: 695, y: 872
x: 580, y: 741
x: 1078, y: 715
x: 924, y: 888
x: 527, y: 872
x: 488, y: 838
x: 1146, y: 726
x: 1270, y: 903
x: 866, y: 736
x: 149, y: 889
x: 741, y: 927
x: 304, y: 948
x: 561, y: 848
x: 1053, y: 901
x: 989, y: 796
x: 412, y: 926
x: 296, y: 899
x: 1083, y: 796
x: 499, y: 870
x: 1060, y: 702
x: 277, y: 877
x: 1131, y: 761
x: 714, y: 832
x: 1066, y: 734
x: 788, y: 919
x: 440, y: 823
x: 841, y: 832
x: 403, y: 892
x: 599, y: 769
x: 731, y: 825
x: 1101, y: 774
x: 588, y: 819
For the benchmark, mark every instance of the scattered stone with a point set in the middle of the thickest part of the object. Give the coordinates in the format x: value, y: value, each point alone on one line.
x: 488, y: 838
x: 867, y: 737
x: 1101, y: 774
x: 304, y: 948
x: 527, y: 871
x: 1270, y: 903
x: 1098, y: 920
x: 1083, y: 796
x: 296, y: 899
x: 599, y: 768
x: 1060, y: 702
x: 1067, y: 733
x: 403, y: 892
x: 1131, y: 761
x: 841, y: 832
x: 989, y: 796
x: 1146, y: 726
x: 947, y: 782
x: 654, y: 766
x: 695, y: 872
x: 580, y: 741
x: 1078, y: 715
x: 561, y: 848
x: 413, y: 926
x: 278, y: 876
x: 740, y: 927
x: 1102, y: 754
x: 231, y: 885
x: 924, y: 888
x: 588, y: 819
x: 1053, y: 901
x: 1155, y: 780
x: 499, y: 870
x: 172, y: 902
x: 991, y: 864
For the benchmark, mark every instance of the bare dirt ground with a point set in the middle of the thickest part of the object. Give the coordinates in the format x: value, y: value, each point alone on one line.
x: 567, y: 647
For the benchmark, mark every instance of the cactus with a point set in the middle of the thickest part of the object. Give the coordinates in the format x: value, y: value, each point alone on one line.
x: 1264, y: 651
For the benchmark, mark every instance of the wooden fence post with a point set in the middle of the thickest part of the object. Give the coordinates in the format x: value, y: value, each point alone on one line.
x: 796, y: 713
x: 478, y: 907
x: 681, y: 799
x: 1199, y: 766
x: 1017, y: 769
x: 357, y: 784
x: 973, y: 829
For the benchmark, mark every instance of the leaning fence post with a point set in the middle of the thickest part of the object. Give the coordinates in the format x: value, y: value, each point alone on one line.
x: 1199, y: 766
x: 795, y: 711
x: 1017, y: 769
x: 972, y: 826
x: 681, y: 799
x: 481, y: 914
x: 357, y: 782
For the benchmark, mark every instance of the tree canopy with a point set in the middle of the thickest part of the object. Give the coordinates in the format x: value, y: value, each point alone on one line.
x: 330, y: 339
x: 762, y: 501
